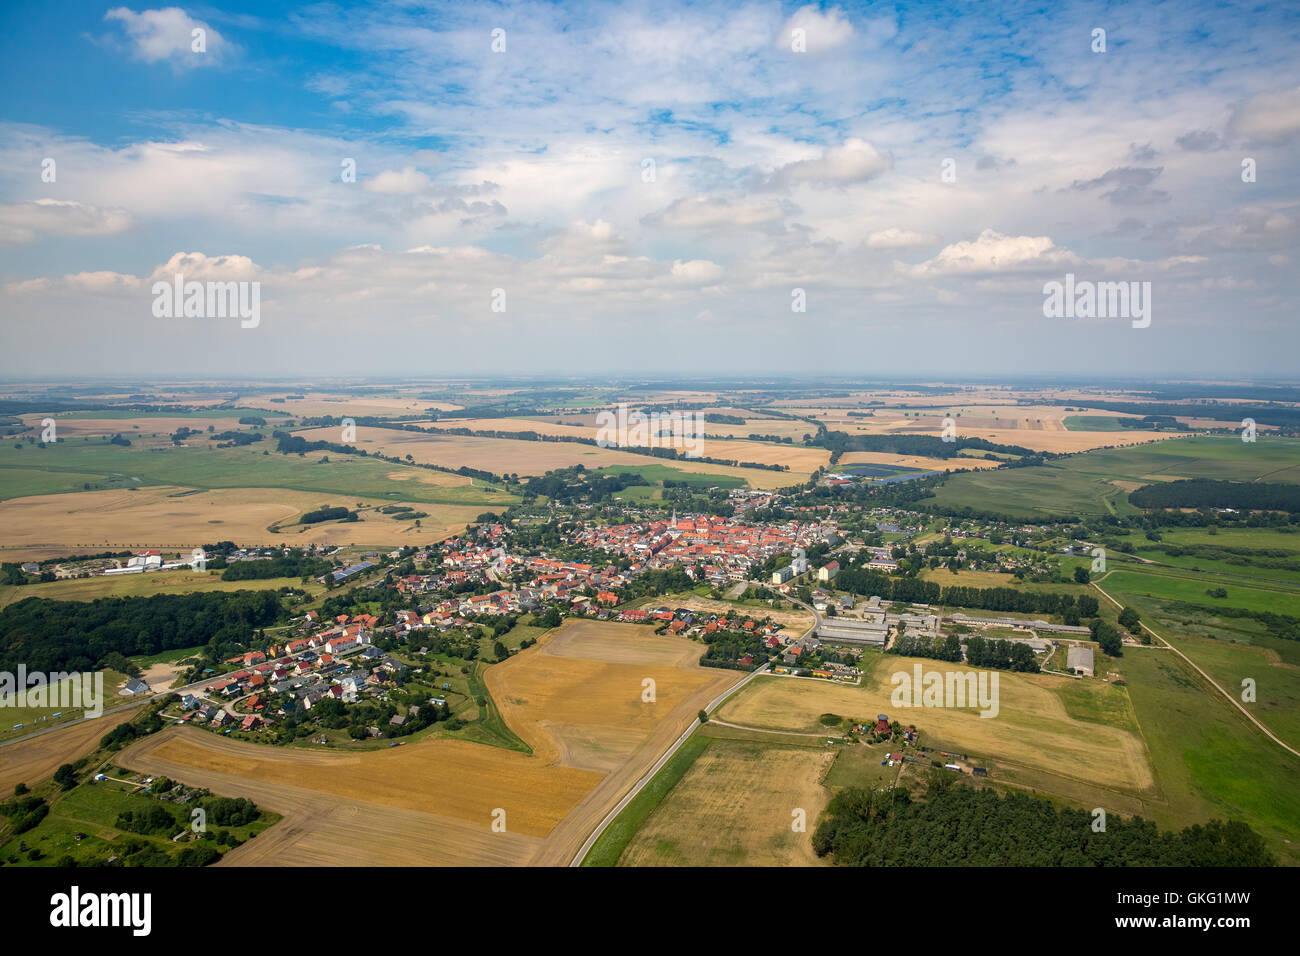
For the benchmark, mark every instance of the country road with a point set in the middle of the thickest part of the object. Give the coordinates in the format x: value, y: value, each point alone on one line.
x: 658, y: 765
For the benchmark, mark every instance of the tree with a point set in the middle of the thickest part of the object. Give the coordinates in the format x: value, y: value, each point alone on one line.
x: 1129, y: 619
x: 1082, y: 575
x: 703, y: 715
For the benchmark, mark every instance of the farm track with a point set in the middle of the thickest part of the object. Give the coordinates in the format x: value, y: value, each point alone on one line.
x: 1210, y: 680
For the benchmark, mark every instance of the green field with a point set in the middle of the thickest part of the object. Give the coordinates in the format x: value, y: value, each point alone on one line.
x: 1083, y: 484
x: 82, y: 824
x: 137, y: 585
x: 1092, y: 423
x: 1209, y: 761
x: 655, y: 474
x: 69, y: 466
x: 1171, y: 585
x: 17, y: 719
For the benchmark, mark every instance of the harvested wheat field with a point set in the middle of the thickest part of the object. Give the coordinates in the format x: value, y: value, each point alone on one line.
x: 575, y: 697
x: 32, y: 760
x: 579, y: 702
x: 735, y: 807
x: 133, y: 428
x: 152, y: 517
x: 1031, y: 729
x: 913, y: 461
x: 342, y: 405
x: 510, y: 456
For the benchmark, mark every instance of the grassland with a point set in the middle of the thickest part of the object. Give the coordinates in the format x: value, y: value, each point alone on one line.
x: 139, y: 585
x: 1086, y: 484
x: 69, y: 465
x: 1208, y: 760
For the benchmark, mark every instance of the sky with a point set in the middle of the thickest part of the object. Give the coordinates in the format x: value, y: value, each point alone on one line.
x: 685, y: 189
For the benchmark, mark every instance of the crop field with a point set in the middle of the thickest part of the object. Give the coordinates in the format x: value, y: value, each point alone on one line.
x: 32, y: 760
x: 911, y: 461
x: 157, y: 517
x: 137, y: 585
x: 575, y: 698
x: 88, y: 464
x: 1033, y: 727
x: 735, y: 807
x: 87, y: 425
x: 1096, y: 482
x: 510, y: 456
x: 345, y: 405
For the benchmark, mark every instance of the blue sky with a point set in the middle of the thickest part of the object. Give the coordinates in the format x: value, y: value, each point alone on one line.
x: 527, y: 169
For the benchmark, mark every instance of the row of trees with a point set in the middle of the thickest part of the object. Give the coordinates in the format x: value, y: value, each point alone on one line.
x: 958, y: 825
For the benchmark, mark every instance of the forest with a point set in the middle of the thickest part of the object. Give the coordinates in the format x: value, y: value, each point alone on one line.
x: 960, y: 825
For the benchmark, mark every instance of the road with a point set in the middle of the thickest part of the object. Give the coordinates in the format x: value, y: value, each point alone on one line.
x: 1210, y: 680
x: 658, y: 765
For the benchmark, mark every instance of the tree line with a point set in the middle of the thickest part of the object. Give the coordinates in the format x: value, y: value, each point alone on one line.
x: 959, y: 825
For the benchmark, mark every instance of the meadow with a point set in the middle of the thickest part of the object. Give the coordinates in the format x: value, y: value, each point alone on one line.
x: 1096, y: 482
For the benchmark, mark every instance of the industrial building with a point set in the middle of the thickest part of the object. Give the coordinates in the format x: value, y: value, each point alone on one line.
x: 1079, y: 660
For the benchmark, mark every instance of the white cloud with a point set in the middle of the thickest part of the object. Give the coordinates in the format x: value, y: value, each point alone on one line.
x: 170, y: 35
x: 25, y: 222
x: 821, y: 30
x: 1269, y: 119
x: 408, y: 181
x: 896, y: 238
x: 992, y: 252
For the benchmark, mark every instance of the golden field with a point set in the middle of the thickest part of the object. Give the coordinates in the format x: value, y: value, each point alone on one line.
x: 54, y: 525
x: 508, y: 456
x: 735, y: 807
x: 1032, y: 729
x: 575, y: 698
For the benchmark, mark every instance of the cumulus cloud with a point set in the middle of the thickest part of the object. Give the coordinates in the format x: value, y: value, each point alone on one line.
x: 992, y: 252
x: 857, y: 161
x: 408, y: 181
x: 170, y: 35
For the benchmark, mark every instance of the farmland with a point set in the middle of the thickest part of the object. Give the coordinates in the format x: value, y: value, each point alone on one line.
x: 576, y: 698
x: 1091, y: 483
x: 34, y: 759
x: 735, y: 807
x: 513, y: 456
x: 135, y: 585
x: 1033, y: 728
x: 165, y: 517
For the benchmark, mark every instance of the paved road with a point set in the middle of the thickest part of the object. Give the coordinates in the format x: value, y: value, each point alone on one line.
x: 1210, y: 680
x: 649, y: 774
